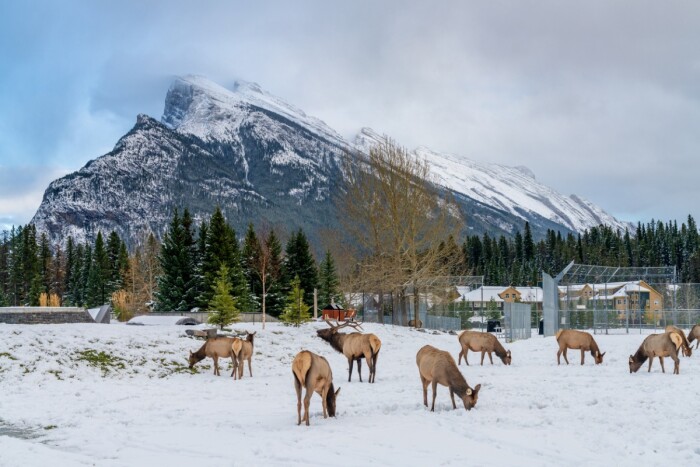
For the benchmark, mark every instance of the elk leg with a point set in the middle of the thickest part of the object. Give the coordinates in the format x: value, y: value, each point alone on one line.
x: 483, y: 353
x: 452, y: 396
x: 661, y: 359
x: 559, y: 356
x: 324, y: 393
x: 350, y: 362
x: 374, y: 366
x: 424, y: 382
x: 466, y: 350
x: 359, y: 368
x: 250, y: 366
x: 651, y: 359
x: 490, y: 358
x: 676, y: 367
x: 297, y: 387
x: 216, y: 365
x: 432, y: 409
x: 307, y: 398
x: 368, y: 359
x: 583, y: 354
x: 240, y: 365
x: 566, y: 359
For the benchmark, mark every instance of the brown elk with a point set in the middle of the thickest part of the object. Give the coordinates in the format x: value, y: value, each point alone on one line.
x: 354, y: 346
x: 437, y: 366
x: 483, y: 342
x: 573, y: 339
x: 242, y: 351
x: 215, y: 348
x: 313, y: 373
x: 687, y: 350
x: 694, y: 335
x: 412, y: 323
x: 657, y: 345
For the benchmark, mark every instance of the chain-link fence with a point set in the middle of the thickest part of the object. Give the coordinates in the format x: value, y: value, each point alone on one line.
x: 517, y: 324
x: 610, y: 300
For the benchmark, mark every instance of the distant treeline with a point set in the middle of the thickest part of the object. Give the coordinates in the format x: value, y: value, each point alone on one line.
x: 179, y: 272
x: 519, y: 260
x: 176, y: 274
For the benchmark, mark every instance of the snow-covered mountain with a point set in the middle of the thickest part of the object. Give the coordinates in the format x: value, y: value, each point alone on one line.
x: 265, y: 161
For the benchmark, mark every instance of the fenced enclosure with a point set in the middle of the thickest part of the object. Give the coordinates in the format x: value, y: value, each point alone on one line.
x: 434, y: 301
x: 516, y: 321
x: 618, y: 299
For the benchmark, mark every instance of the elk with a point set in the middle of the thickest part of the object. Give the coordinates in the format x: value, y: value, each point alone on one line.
x: 354, y: 346
x: 687, y: 350
x: 657, y: 345
x: 215, y: 348
x: 572, y: 339
x: 483, y: 342
x: 437, y: 366
x: 694, y: 335
x: 412, y: 323
x: 242, y: 351
x: 313, y: 373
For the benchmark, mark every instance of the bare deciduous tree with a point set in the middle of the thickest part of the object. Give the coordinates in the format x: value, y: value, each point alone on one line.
x: 396, y: 213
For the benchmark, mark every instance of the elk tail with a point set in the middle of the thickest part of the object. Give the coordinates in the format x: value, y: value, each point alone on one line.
x: 301, y: 366
x: 236, y: 347
x: 558, y: 334
x: 677, y: 340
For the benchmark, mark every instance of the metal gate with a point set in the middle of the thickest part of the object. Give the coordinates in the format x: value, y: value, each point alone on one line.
x: 550, y: 305
x: 517, y: 321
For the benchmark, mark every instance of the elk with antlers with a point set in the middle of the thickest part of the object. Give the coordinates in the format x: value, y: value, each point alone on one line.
x: 354, y: 346
x: 313, y: 372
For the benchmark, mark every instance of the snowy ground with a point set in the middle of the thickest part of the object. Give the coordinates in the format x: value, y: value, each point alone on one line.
x: 141, y: 406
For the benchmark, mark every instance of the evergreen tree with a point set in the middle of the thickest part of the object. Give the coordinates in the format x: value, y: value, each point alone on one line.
x: 328, y: 281
x: 222, y: 304
x: 296, y: 311
x: 299, y: 262
x: 274, y: 297
x: 171, y: 283
x: 221, y: 248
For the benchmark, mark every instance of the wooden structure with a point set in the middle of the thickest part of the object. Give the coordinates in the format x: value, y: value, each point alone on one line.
x: 337, y: 313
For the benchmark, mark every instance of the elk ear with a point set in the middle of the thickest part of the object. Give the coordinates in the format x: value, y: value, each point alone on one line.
x: 190, y: 353
x: 508, y: 353
x: 476, y: 389
x: 603, y: 354
x: 631, y: 359
x: 469, y: 391
x: 336, y: 392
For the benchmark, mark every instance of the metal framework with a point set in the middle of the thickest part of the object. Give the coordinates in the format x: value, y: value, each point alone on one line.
x: 605, y: 298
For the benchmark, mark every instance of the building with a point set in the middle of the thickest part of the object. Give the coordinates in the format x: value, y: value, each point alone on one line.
x: 482, y: 296
x: 620, y: 296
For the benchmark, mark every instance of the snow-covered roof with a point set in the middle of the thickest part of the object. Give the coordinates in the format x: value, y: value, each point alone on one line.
x: 488, y: 292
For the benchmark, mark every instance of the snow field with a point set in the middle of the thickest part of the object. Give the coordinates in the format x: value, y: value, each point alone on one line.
x: 137, y: 404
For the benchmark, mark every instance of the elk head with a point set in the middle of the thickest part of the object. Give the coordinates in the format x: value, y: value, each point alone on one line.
x: 192, y: 359
x: 507, y: 359
x: 330, y: 401
x: 599, y: 357
x: 634, y: 365
x: 471, y: 396
x: 687, y: 351
x: 326, y: 334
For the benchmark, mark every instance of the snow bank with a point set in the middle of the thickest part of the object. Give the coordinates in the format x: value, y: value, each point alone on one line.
x: 117, y: 395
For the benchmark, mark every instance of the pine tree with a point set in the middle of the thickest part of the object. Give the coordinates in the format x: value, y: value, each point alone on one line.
x: 222, y: 304
x: 274, y: 296
x: 328, y: 281
x: 299, y: 262
x: 296, y: 311
x: 221, y: 248
x: 171, y: 283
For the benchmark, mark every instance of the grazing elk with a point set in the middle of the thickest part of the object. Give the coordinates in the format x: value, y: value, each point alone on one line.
x: 215, y: 348
x: 657, y: 345
x: 483, y: 342
x: 242, y: 351
x: 313, y: 373
x: 572, y: 339
x: 687, y: 350
x: 694, y: 335
x: 354, y: 346
x: 437, y: 366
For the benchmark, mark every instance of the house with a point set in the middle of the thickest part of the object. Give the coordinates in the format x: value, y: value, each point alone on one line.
x: 621, y: 296
x: 482, y: 296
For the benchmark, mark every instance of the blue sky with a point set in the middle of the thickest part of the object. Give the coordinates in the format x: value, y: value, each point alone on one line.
x: 597, y: 98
